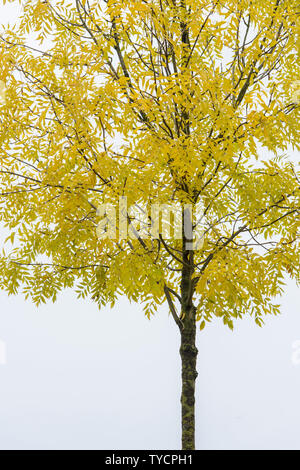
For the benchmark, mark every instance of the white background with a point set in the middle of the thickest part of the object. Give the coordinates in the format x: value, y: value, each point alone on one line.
x: 77, y: 378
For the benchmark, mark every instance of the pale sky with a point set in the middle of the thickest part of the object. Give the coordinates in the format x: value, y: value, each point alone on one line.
x: 77, y: 378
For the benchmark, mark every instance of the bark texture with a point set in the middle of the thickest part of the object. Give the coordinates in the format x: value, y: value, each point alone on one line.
x: 188, y: 353
x: 188, y: 350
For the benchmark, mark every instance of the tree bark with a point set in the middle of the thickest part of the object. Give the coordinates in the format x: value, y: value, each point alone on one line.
x: 188, y: 353
x: 188, y: 350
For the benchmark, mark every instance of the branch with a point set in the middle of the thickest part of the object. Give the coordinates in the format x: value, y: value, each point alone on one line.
x: 172, y: 308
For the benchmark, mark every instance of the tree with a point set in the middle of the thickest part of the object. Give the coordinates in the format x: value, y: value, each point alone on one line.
x: 161, y: 102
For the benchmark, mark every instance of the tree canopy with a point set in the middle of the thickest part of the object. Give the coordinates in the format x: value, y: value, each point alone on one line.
x: 159, y: 101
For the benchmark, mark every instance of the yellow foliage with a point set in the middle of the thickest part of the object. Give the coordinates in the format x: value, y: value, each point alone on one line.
x: 158, y: 103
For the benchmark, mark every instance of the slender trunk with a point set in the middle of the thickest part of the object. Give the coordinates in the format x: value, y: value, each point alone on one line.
x: 188, y: 353
x: 188, y: 350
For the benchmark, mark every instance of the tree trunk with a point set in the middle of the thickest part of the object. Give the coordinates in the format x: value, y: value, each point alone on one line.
x: 188, y: 353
